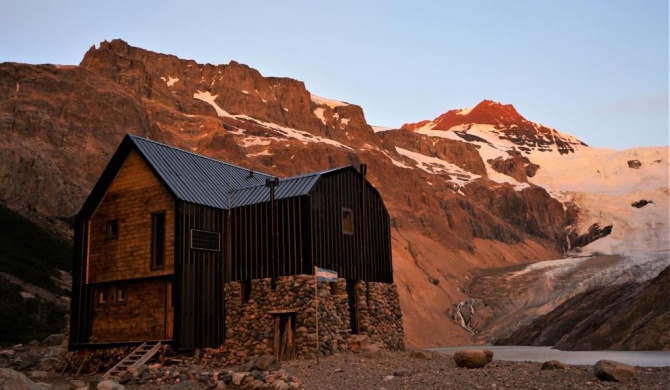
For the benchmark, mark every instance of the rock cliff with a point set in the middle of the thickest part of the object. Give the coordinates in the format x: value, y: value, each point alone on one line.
x: 634, y: 316
x: 60, y: 124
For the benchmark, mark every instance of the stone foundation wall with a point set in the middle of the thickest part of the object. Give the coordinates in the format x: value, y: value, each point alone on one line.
x: 380, y: 315
x: 250, y: 324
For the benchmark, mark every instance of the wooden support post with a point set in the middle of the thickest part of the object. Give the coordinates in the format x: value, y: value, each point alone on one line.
x: 289, y: 330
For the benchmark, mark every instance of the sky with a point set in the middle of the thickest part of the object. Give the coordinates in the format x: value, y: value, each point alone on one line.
x: 596, y: 69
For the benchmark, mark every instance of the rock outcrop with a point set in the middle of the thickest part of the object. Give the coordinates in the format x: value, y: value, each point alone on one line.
x: 626, y: 317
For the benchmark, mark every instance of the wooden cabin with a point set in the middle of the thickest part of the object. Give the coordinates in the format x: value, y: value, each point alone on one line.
x: 164, y: 230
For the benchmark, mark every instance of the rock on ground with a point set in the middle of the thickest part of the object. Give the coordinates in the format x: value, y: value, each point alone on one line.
x: 473, y: 358
x: 14, y: 380
x: 612, y: 371
x: 553, y: 365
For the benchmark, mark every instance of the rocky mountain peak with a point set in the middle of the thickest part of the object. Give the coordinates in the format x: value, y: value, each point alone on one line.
x: 499, y: 124
x: 450, y: 206
x: 236, y: 93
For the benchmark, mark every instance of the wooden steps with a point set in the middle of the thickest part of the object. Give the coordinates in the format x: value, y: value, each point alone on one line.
x: 135, y: 359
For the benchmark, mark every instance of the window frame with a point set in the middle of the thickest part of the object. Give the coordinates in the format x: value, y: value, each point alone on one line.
x: 348, y: 226
x: 112, y: 228
x: 122, y: 298
x: 158, y: 247
x: 200, y: 248
x: 102, y: 297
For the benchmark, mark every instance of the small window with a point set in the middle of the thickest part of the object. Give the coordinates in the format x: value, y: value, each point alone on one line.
x: 347, y: 221
x: 112, y: 231
x: 158, y: 240
x: 120, y: 296
x: 103, y: 297
x: 205, y: 240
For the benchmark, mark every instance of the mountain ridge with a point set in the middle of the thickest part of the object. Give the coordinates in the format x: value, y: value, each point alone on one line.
x: 505, y: 122
x: 457, y: 202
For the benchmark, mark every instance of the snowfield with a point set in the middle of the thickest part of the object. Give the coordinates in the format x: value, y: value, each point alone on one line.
x: 604, y: 187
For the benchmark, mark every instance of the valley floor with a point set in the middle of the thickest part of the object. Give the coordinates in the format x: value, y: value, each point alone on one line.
x: 440, y: 372
x: 403, y: 370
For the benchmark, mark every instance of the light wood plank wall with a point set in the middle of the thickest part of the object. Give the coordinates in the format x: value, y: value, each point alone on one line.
x: 133, y: 195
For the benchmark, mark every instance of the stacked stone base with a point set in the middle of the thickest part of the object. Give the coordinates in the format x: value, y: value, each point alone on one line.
x: 251, y: 317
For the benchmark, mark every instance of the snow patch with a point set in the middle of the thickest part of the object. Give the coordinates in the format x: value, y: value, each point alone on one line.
x: 436, y: 166
x: 254, y: 141
x: 263, y: 153
x: 379, y: 129
x: 464, y: 111
x: 327, y: 102
x: 319, y: 114
x: 288, y: 132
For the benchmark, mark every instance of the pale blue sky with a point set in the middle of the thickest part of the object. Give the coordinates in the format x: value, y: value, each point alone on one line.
x: 597, y: 69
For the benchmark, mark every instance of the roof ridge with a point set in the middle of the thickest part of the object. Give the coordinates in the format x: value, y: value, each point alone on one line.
x: 305, y: 175
x: 133, y: 137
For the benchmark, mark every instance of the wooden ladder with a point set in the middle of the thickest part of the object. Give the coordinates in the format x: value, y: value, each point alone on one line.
x: 135, y: 359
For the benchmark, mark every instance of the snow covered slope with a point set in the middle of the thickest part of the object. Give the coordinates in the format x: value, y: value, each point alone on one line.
x: 604, y: 184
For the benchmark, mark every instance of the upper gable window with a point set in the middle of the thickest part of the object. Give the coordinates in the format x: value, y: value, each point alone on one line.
x: 205, y: 240
x: 347, y: 221
x: 112, y: 229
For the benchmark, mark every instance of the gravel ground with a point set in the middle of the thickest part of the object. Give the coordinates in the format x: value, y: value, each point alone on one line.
x: 404, y: 370
x: 400, y: 370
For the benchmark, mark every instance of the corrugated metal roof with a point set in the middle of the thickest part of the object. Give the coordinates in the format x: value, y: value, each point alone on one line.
x: 287, y: 188
x: 195, y: 178
x: 202, y: 180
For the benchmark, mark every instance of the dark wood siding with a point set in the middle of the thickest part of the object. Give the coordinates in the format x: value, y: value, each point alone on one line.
x: 365, y: 254
x: 198, y: 293
x: 251, y: 244
x: 80, y: 312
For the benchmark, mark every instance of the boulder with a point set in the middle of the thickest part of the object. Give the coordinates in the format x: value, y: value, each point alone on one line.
x: 373, y: 352
x: 553, y: 365
x: 402, y: 372
x: 612, y: 371
x: 54, y: 339
x: 634, y: 164
x: 77, y: 384
x: 261, y: 363
x: 420, y: 354
x: 473, y: 358
x: 109, y: 385
x: 14, y: 380
x: 7, y: 353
